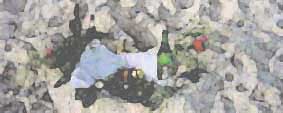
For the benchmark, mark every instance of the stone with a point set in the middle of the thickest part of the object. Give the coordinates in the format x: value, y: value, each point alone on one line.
x: 64, y: 100
x: 26, y: 78
x: 57, y: 40
x: 107, y: 105
x: 172, y: 105
x: 241, y: 88
x: 272, y: 1
x: 49, y: 10
x: 14, y: 107
x: 275, y: 63
x: 184, y: 4
x: 228, y: 105
x: 236, y: 62
x: 215, y: 10
x: 7, y: 31
x: 103, y: 20
x: 264, y: 109
x: 244, y: 5
x: 169, y: 4
x: 83, y: 10
x: 257, y: 95
x: 266, y: 94
x: 46, y: 97
x: 87, y: 95
x: 142, y: 35
x: 8, y: 47
x: 219, y: 85
x: 152, y: 6
x: 240, y: 23
x: 14, y: 6
x: 10, y: 69
x: 229, y: 77
x: 281, y: 97
x: 280, y: 5
x: 128, y: 3
x: 279, y: 23
x: 202, y: 101
x: 193, y: 75
x: 280, y: 58
x: 55, y: 21
x: 228, y: 10
x: 163, y: 13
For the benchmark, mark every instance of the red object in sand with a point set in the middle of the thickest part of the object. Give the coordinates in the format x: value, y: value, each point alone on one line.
x: 49, y: 52
x: 198, y: 43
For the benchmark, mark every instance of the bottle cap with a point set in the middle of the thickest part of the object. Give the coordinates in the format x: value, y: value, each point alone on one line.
x: 99, y: 84
x: 126, y: 86
x: 140, y: 73
x: 139, y: 93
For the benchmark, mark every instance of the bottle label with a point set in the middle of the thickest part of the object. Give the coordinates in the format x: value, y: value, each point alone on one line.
x: 164, y: 59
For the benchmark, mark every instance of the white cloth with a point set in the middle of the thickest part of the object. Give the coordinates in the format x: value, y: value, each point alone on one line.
x: 143, y: 60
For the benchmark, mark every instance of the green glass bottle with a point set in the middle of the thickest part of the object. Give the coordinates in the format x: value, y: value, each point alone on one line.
x: 165, y: 55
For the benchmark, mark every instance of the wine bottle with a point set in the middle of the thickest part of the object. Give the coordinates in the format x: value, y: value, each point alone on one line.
x: 165, y: 55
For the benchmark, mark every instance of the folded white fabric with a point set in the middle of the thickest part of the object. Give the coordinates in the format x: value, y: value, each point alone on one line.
x: 95, y: 63
x: 143, y: 60
x: 99, y: 62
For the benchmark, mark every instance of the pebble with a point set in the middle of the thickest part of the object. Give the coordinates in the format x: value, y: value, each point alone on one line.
x: 228, y: 105
x: 264, y: 108
x: 14, y: 107
x: 280, y: 23
x: 184, y: 4
x: 55, y: 21
x: 237, y: 63
x: 280, y: 58
x: 244, y: 5
x: 103, y: 20
x: 215, y: 10
x: 83, y: 10
x: 192, y: 76
x: 8, y: 47
x: 281, y: 97
x: 241, y: 88
x: 128, y: 3
x: 229, y: 77
x: 280, y: 5
x: 14, y: 6
x: 57, y: 40
x: 7, y: 31
x: 46, y: 97
x: 240, y: 23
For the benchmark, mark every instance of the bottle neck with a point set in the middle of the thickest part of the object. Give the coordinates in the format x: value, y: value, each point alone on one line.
x: 165, y: 47
x: 164, y: 36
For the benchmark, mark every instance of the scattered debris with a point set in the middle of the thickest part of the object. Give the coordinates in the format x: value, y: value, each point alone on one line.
x: 193, y: 75
x: 242, y: 56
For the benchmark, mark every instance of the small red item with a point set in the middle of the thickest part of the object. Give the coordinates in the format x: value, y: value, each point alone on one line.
x: 198, y: 43
x: 203, y: 38
x: 49, y: 52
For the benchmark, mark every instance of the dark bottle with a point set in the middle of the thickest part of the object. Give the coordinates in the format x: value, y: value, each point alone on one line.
x: 165, y: 55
